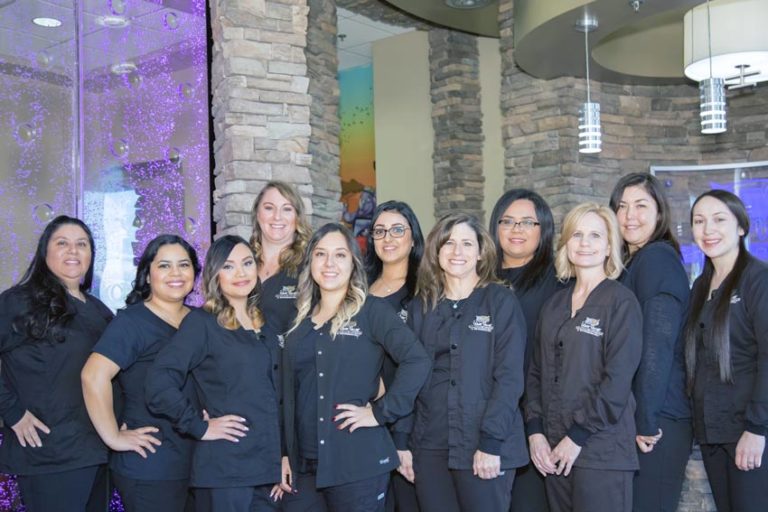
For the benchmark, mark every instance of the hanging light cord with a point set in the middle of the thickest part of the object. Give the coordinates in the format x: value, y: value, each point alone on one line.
x: 586, y: 58
x: 709, y: 38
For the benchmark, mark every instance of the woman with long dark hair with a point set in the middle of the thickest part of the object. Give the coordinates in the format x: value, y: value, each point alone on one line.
x: 339, y: 448
x: 466, y: 436
x: 150, y: 461
x: 579, y: 405
x: 726, y: 354
x: 655, y: 274
x: 232, y: 356
x: 48, y: 325
x: 523, y: 230
x: 395, y: 246
x: 280, y: 234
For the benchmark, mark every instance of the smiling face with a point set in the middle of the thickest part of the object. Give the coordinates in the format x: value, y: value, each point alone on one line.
x: 588, y: 245
x: 715, y: 228
x: 518, y: 243
x: 68, y: 255
x: 391, y: 249
x: 460, y: 253
x: 331, y: 264
x: 276, y: 216
x: 171, y: 274
x: 638, y: 215
x: 238, y: 275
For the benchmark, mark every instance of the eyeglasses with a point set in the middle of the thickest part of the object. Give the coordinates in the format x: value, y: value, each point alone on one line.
x: 396, y: 231
x: 524, y: 225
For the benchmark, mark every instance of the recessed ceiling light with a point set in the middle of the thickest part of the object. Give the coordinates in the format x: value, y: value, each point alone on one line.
x: 123, y: 68
x: 110, y: 21
x: 47, y: 22
x: 467, y: 4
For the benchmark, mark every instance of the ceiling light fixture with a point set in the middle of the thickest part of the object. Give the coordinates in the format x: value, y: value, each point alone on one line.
x: 46, y: 22
x: 712, y: 111
x: 590, y: 137
x: 111, y: 21
x: 123, y: 68
x: 468, y: 4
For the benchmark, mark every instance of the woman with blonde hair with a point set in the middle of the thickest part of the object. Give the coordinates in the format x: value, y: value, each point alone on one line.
x: 336, y: 438
x: 466, y: 437
x: 579, y: 403
x: 232, y: 356
x: 280, y: 234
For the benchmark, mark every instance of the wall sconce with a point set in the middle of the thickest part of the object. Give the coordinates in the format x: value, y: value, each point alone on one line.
x: 590, y: 137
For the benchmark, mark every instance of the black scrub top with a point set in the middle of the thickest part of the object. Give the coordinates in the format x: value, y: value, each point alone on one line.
x: 132, y: 341
x: 305, y: 380
x: 234, y: 372
x: 400, y: 305
x: 277, y: 301
x: 43, y: 376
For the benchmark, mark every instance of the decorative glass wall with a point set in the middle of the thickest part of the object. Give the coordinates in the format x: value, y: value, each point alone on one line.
x: 103, y: 115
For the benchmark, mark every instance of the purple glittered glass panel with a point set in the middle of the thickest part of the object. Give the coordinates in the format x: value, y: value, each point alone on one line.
x: 146, y: 148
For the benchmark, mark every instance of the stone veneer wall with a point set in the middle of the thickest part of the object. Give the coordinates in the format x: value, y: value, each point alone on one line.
x: 261, y: 108
x: 457, y: 120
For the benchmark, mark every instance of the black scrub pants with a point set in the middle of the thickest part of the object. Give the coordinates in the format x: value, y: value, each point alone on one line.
x: 67, y: 491
x: 528, y: 493
x: 590, y: 490
x: 151, y: 495
x: 735, y: 490
x: 367, y: 495
x: 440, y: 489
x: 659, y: 482
x: 401, y: 496
x: 236, y: 499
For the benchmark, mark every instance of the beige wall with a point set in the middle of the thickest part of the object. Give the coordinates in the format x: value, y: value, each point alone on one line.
x: 403, y: 122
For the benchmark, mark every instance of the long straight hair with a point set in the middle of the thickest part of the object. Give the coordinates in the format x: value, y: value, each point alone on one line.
x: 374, y: 265
x: 309, y: 292
x: 47, y: 312
x: 720, y: 325
x: 431, y: 287
x: 649, y: 183
x: 543, y: 256
x: 215, y: 301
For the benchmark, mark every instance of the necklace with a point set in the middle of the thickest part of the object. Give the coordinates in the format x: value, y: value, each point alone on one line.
x: 388, y: 287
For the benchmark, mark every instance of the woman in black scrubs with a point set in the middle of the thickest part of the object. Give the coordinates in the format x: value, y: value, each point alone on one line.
x: 523, y: 230
x: 232, y: 357
x: 280, y: 234
x: 726, y: 354
x: 336, y: 438
x: 655, y: 274
x: 466, y: 435
x: 579, y: 404
x: 150, y: 462
x: 395, y: 247
x: 48, y: 325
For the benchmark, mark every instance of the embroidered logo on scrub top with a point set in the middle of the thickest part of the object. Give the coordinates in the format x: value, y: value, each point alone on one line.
x: 287, y: 292
x: 351, y: 329
x: 403, y: 314
x: 735, y: 299
x: 590, y: 326
x: 482, y: 323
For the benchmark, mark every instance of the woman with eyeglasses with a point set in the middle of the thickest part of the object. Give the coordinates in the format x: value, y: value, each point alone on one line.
x: 392, y: 268
x: 655, y: 274
x: 48, y: 325
x: 232, y: 356
x: 466, y: 435
x: 726, y: 354
x: 579, y: 404
x: 338, y: 444
x: 280, y: 234
x: 150, y: 460
x: 523, y: 230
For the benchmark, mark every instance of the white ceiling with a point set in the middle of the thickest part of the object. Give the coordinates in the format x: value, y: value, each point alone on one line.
x: 360, y: 32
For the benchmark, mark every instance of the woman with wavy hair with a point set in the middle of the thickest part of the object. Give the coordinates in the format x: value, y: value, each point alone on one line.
x: 232, y: 357
x: 465, y: 439
x: 726, y: 354
x: 655, y: 274
x: 523, y: 231
x: 579, y: 404
x: 150, y: 461
x: 280, y: 234
x: 48, y: 325
x: 337, y: 442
